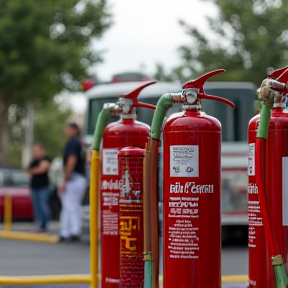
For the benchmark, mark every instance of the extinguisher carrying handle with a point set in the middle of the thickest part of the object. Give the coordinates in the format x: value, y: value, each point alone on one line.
x: 217, y: 98
x: 199, y: 84
x: 133, y: 96
x: 276, y: 73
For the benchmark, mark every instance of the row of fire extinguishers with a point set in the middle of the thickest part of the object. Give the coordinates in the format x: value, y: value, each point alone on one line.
x: 191, y: 190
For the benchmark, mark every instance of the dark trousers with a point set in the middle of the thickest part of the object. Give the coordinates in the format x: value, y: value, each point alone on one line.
x: 40, y: 198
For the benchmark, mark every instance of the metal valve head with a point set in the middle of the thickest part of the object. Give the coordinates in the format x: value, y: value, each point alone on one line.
x: 273, y: 90
x: 196, y: 86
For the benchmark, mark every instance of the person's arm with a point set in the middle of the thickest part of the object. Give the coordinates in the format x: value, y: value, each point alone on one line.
x: 70, y: 165
x: 42, y: 168
x: 72, y: 156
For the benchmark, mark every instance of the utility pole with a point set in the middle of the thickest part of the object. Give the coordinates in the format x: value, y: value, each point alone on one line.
x: 28, y: 135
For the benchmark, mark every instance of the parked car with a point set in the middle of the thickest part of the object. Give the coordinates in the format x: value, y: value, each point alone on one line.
x: 15, y: 183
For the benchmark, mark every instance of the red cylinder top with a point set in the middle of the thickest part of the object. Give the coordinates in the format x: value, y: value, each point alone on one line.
x: 192, y: 121
x: 131, y: 151
x: 278, y: 120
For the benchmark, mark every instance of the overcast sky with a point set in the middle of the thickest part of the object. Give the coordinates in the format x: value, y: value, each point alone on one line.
x: 146, y: 32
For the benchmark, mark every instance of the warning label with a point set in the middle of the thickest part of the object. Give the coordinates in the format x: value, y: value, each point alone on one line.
x: 184, y: 161
x: 110, y: 161
x: 183, y: 241
x: 251, y: 160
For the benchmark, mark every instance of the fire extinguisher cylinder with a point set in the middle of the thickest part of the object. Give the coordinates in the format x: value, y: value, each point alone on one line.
x: 115, y: 136
x: 272, y: 131
x: 191, y: 188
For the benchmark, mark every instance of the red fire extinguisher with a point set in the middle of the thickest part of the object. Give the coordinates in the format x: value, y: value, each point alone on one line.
x: 125, y: 132
x: 275, y: 165
x: 131, y: 217
x: 191, y: 188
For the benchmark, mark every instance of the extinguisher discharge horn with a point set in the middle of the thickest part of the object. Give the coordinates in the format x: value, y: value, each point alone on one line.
x: 193, y: 90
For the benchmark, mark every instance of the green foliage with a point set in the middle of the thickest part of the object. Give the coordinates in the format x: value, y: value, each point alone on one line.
x: 49, y: 123
x: 248, y: 37
x: 45, y: 45
x: 48, y: 129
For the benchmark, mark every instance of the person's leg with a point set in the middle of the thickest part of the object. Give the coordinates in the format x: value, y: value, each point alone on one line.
x: 79, y: 189
x: 44, y: 207
x: 64, y: 216
x: 36, y: 206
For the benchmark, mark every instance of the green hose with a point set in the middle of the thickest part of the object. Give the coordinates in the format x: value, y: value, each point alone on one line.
x: 264, y: 121
x: 148, y: 271
x: 103, y: 116
x: 280, y: 276
x: 164, y: 103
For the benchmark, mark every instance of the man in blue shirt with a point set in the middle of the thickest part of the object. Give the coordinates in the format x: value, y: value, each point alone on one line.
x: 73, y: 185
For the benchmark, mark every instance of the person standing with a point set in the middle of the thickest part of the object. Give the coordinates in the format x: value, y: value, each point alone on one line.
x: 39, y: 184
x: 73, y: 185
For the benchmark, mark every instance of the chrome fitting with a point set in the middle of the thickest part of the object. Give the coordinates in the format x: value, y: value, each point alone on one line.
x: 277, y: 260
x: 125, y: 104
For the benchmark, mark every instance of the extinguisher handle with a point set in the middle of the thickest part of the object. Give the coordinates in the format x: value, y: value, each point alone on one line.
x: 280, y: 84
x: 133, y: 95
x: 199, y: 82
x: 276, y: 73
x: 145, y: 105
x: 217, y: 98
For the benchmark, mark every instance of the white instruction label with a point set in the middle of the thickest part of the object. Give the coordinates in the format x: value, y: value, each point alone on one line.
x: 110, y: 161
x: 285, y: 190
x: 184, y: 161
x: 251, y: 160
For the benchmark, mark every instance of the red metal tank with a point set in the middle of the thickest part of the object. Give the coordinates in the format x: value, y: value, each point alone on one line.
x: 261, y: 273
x: 125, y: 132
x: 277, y: 195
x: 277, y: 184
x: 131, y: 217
x: 191, y: 189
x: 256, y: 237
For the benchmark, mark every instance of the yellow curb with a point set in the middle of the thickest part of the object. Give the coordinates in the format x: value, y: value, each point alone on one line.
x: 82, y: 278
x: 42, y: 280
x: 226, y: 279
x: 29, y: 236
x: 235, y: 278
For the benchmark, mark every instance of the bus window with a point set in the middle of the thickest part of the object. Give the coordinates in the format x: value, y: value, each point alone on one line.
x: 234, y: 121
x: 234, y: 191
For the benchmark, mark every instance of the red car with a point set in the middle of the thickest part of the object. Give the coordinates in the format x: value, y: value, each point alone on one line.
x: 15, y: 183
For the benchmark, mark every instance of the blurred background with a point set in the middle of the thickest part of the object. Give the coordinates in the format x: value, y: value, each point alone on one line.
x: 53, y: 50
x: 56, y: 55
x: 47, y: 50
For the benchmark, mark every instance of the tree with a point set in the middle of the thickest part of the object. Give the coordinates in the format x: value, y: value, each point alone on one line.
x: 45, y: 47
x: 249, y: 36
x: 49, y: 122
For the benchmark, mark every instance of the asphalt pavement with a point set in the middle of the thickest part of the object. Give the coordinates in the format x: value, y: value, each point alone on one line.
x: 23, y: 258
